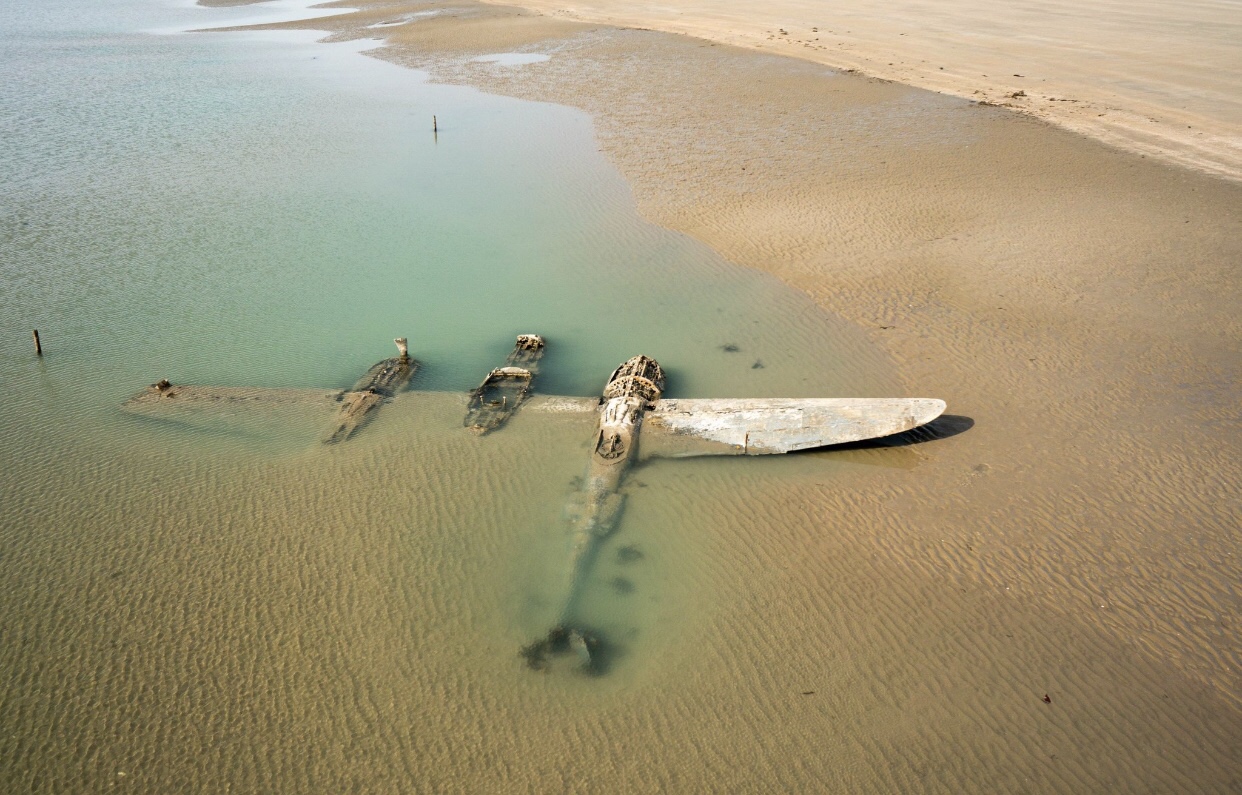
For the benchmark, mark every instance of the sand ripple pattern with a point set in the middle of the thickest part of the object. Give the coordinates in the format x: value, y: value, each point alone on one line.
x: 239, y: 616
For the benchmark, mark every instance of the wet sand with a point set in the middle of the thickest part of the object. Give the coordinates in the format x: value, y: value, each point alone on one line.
x: 361, y: 632
x: 893, y: 621
x: 1150, y: 77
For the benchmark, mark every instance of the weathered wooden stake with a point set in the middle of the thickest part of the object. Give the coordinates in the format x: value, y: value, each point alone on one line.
x: 38, y: 345
x: 435, y: 125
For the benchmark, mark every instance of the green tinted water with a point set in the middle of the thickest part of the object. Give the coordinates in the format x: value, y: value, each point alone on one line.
x: 212, y: 605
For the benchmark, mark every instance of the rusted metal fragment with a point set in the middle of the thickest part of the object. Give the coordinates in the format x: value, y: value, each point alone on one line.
x: 594, y: 511
x: 638, y: 376
x: 762, y: 426
x: 495, y: 400
x: 500, y: 395
x: 527, y: 352
x: 358, y: 404
x: 387, y: 377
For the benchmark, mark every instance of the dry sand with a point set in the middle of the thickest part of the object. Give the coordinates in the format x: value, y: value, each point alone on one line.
x: 1077, y: 302
x: 1154, y: 77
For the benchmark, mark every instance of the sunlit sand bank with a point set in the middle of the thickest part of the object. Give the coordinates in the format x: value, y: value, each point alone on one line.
x: 1152, y: 77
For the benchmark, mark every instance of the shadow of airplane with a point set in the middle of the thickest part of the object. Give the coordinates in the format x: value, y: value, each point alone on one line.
x: 942, y: 427
x: 896, y: 451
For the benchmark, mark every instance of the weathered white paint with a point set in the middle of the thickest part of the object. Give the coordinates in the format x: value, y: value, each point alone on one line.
x: 759, y: 426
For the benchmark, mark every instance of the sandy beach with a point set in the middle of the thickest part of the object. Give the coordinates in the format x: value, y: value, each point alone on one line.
x: 1073, y: 300
x: 1157, y: 78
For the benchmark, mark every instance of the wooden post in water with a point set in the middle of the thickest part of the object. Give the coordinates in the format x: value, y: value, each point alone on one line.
x: 435, y: 125
x: 38, y: 345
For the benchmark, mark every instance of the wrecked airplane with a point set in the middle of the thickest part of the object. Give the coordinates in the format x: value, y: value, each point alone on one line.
x: 631, y: 408
x: 634, y: 423
x: 497, y: 399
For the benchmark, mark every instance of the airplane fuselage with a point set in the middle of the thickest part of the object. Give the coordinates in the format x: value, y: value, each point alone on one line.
x: 594, y: 510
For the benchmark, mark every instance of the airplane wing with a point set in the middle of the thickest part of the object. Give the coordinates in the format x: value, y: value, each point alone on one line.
x: 560, y: 404
x: 243, y: 411
x: 762, y: 426
x: 248, y: 410
x: 192, y: 397
x: 671, y: 428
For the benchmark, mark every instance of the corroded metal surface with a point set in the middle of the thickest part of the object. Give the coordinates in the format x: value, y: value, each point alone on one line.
x: 594, y: 510
x: 527, y: 352
x: 494, y: 401
x: 356, y: 404
x: 380, y: 383
x: 500, y: 395
x: 638, y: 376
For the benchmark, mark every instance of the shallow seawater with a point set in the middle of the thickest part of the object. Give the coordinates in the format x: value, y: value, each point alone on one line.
x: 224, y: 604
x: 228, y: 603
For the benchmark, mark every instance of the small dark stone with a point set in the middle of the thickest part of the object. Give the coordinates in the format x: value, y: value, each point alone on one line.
x: 808, y: 692
x: 1047, y: 698
x: 758, y: 365
x: 622, y: 586
x: 730, y: 347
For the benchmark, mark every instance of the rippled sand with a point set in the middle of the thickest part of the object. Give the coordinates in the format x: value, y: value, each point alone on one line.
x: 348, y: 617
x: 1147, y: 76
x: 304, y: 619
x: 1076, y: 302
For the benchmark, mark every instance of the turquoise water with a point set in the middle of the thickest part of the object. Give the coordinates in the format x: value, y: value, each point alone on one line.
x: 238, y: 607
x: 259, y: 209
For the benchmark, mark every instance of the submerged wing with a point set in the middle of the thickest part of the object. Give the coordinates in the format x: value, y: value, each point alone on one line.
x: 760, y: 426
x: 560, y: 404
x: 247, y: 410
x: 213, y: 406
x: 243, y: 411
x: 172, y: 399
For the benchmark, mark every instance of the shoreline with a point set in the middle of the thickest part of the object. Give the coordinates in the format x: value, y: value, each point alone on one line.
x: 1076, y: 301
x: 925, y: 223
x: 1135, y: 77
